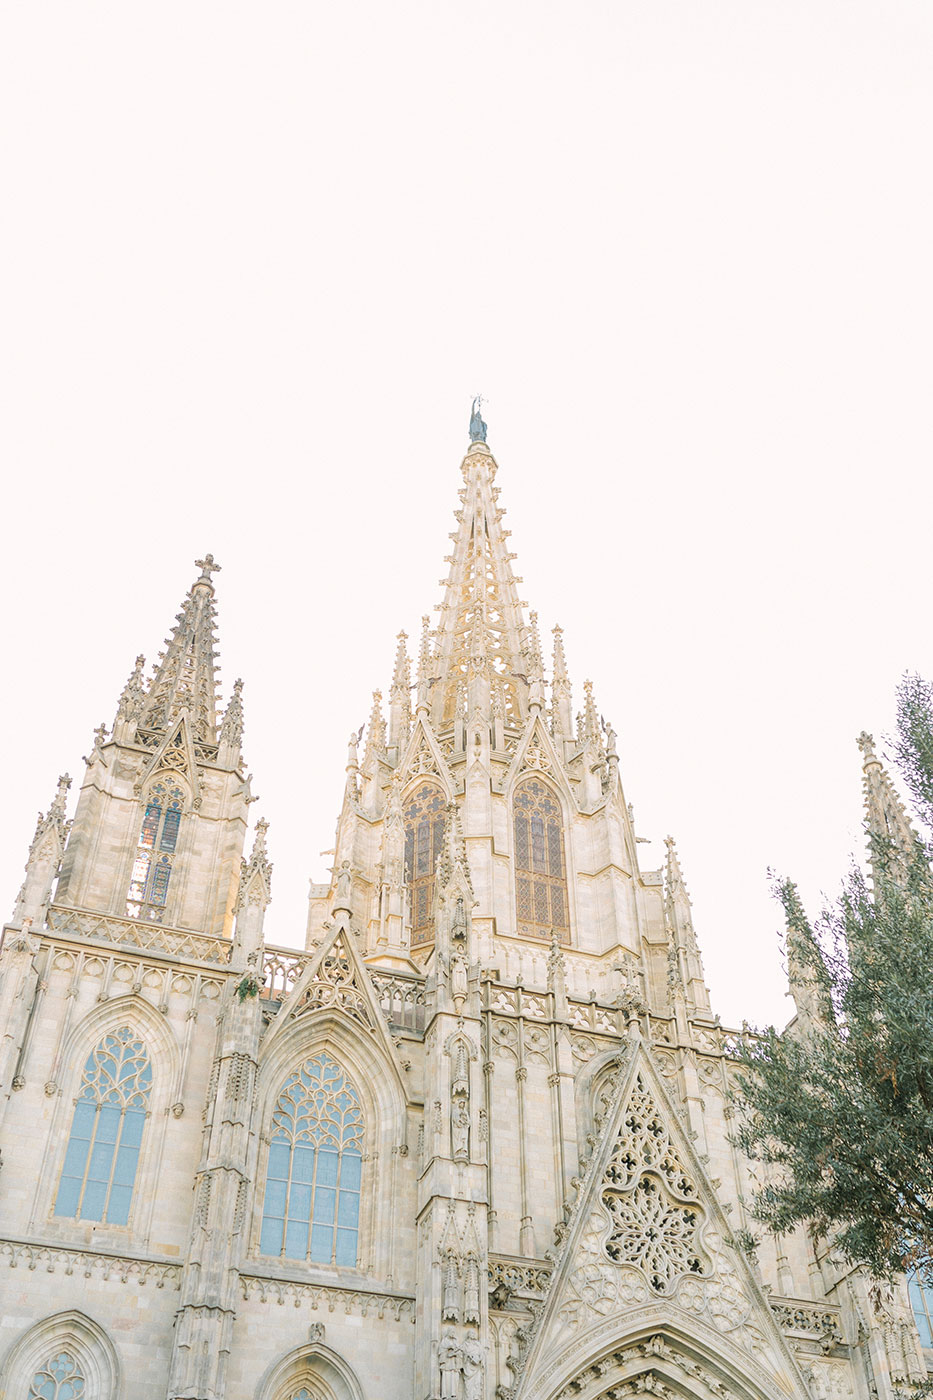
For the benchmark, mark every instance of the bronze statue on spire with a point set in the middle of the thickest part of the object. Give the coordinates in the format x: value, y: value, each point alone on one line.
x: 477, y: 426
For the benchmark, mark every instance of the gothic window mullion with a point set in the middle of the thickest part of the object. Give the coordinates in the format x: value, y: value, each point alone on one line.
x: 541, y: 901
x: 155, y: 852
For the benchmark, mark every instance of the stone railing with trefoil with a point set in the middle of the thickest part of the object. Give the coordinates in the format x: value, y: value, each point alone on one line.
x: 401, y: 999
x: 133, y: 933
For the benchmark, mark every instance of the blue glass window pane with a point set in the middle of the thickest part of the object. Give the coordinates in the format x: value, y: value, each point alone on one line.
x: 296, y: 1239
x: 349, y: 1213
x: 108, y: 1123
x: 327, y: 1168
x: 124, y: 1170
x: 325, y: 1200
x: 322, y: 1243
x: 350, y: 1171
x: 76, y: 1157
x: 346, y: 1247
x: 118, y: 1206
x: 275, y: 1198
x: 279, y: 1154
x: 299, y: 1202
x: 82, y: 1124
x: 133, y: 1121
x: 92, y: 1207
x: 100, y: 1163
x: 68, y: 1193
x: 303, y: 1164
x: 271, y: 1239
x: 170, y: 829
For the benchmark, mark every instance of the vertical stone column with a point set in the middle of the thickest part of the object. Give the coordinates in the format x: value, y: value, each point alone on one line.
x: 210, y: 1281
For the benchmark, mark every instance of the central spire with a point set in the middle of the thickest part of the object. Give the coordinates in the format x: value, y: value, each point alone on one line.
x: 481, y: 638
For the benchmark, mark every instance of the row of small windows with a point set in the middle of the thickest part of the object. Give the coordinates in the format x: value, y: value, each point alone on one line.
x: 540, y: 869
x: 155, y: 852
x: 311, y: 1209
x: 540, y: 872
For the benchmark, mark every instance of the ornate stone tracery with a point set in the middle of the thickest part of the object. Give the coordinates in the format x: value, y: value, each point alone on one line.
x: 651, y: 1201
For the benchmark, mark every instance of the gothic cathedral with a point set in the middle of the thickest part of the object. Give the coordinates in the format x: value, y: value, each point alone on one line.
x: 471, y: 1143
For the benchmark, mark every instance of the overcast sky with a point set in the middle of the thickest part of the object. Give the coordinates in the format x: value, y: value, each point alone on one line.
x: 258, y: 257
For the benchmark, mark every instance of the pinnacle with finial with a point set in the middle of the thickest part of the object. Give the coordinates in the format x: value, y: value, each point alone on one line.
x: 375, y: 730
x: 559, y: 664
x: 231, y: 729
x: 207, y: 567
x: 401, y: 676
x: 590, y: 714
x: 185, y: 674
x: 885, y: 814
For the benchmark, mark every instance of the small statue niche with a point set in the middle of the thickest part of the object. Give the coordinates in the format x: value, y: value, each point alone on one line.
x: 460, y: 1127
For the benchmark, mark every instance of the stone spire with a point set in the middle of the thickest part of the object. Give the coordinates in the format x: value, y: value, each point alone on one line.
x: 684, y: 953
x: 184, y: 678
x: 375, y: 731
x: 400, y: 696
x: 424, y: 664
x: 885, y: 815
x: 253, y: 896
x: 45, y: 855
x: 561, y: 707
x: 481, y: 632
x: 131, y: 702
x: 231, y: 730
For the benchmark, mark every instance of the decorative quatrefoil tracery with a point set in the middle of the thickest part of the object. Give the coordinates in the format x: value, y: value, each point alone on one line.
x: 651, y: 1200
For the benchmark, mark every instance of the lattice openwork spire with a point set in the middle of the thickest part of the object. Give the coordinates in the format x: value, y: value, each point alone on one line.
x: 184, y: 677
x: 481, y: 626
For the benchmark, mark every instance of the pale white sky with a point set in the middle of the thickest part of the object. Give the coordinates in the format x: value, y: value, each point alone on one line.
x: 259, y: 257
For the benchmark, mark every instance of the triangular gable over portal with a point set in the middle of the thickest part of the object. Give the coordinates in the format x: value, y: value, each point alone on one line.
x: 337, y: 980
x: 645, y: 1281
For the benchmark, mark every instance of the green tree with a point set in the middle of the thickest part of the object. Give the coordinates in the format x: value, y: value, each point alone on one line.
x: 839, y: 1107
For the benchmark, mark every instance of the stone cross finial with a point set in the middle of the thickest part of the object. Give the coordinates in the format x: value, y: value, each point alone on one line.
x: 867, y: 745
x: 207, y: 567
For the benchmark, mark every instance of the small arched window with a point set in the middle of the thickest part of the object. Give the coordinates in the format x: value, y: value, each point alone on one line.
x: 155, y: 852
x: 61, y: 1378
x: 424, y: 837
x: 106, y: 1131
x: 312, y: 1202
x: 540, y: 872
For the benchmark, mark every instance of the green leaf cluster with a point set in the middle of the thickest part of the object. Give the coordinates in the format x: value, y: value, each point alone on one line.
x: 839, y: 1107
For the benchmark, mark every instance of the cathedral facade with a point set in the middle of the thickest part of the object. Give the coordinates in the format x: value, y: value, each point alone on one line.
x: 471, y: 1143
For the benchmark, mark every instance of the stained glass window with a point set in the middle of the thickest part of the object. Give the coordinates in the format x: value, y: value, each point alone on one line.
x: 106, y: 1131
x: 155, y: 852
x: 921, y: 1300
x: 60, y: 1378
x: 312, y: 1202
x: 540, y: 874
x: 424, y: 836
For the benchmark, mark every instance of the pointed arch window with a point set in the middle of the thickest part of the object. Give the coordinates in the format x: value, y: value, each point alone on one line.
x: 921, y: 1301
x: 312, y: 1203
x: 424, y: 837
x: 61, y: 1378
x: 540, y: 869
x: 155, y: 851
x: 106, y: 1131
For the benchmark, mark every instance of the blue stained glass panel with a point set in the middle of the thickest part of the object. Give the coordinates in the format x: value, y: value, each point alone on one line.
x: 102, y: 1155
x: 317, y: 1135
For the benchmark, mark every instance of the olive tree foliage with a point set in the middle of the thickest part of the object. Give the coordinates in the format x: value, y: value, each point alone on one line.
x: 838, y: 1109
